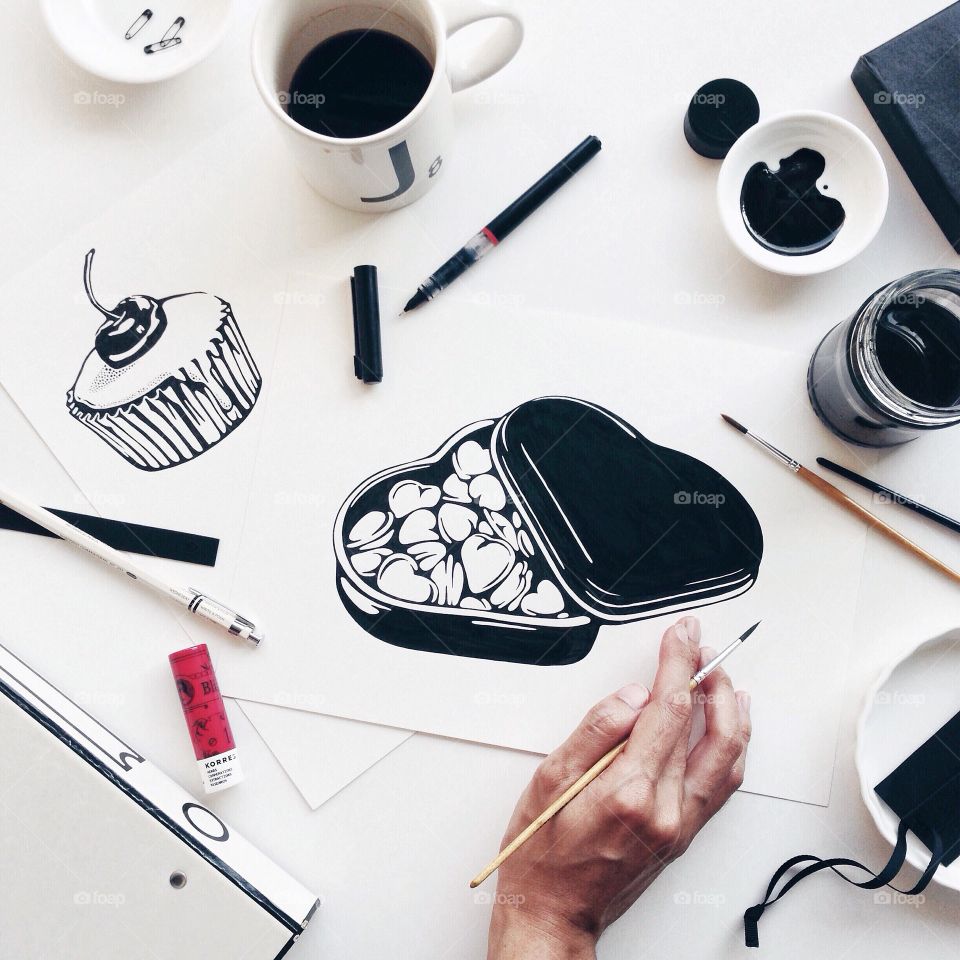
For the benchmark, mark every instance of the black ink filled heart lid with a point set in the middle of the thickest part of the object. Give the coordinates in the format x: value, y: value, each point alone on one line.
x: 519, y: 538
x: 632, y: 527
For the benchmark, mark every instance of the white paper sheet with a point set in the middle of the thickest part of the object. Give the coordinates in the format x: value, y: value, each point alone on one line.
x: 321, y: 754
x: 439, y: 379
x: 163, y: 243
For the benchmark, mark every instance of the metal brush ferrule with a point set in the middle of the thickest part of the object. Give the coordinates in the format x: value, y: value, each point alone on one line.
x: 788, y: 462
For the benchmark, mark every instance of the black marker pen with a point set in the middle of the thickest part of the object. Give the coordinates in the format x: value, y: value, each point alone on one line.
x: 501, y: 225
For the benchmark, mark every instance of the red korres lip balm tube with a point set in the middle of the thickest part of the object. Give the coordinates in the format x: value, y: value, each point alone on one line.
x: 213, y: 743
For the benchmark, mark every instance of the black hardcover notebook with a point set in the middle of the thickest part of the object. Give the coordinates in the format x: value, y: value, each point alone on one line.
x: 911, y: 86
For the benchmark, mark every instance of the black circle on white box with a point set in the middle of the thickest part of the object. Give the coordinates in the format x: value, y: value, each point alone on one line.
x: 206, y: 822
x: 912, y: 699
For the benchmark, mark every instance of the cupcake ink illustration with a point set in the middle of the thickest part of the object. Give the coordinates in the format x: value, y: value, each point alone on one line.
x: 167, y: 379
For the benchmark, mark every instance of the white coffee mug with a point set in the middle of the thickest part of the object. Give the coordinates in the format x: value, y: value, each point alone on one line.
x: 392, y: 168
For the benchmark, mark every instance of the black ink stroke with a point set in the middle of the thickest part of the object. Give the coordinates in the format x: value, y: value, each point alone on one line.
x: 519, y: 538
x: 783, y: 209
x: 167, y: 379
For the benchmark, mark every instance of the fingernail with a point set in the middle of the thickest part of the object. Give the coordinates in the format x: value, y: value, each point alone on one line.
x: 680, y: 628
x: 634, y: 695
x: 693, y: 628
x: 743, y: 698
x: 706, y: 655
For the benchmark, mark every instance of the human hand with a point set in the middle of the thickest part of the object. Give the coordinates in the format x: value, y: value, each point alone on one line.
x: 586, y: 866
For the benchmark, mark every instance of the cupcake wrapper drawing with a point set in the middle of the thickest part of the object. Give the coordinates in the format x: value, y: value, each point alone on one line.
x: 167, y: 379
x: 520, y: 537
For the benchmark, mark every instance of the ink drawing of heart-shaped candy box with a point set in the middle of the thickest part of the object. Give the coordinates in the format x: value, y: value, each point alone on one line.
x: 520, y: 537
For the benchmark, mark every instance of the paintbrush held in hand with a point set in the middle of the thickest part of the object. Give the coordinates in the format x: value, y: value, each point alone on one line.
x: 851, y: 506
x: 595, y: 771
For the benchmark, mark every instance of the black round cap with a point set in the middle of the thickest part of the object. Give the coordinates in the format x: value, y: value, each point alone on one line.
x: 719, y: 112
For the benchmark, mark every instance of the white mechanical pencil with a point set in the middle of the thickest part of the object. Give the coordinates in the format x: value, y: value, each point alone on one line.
x: 194, y: 600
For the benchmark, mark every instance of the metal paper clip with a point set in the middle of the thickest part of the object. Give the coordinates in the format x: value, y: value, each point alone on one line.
x: 138, y: 25
x: 162, y: 45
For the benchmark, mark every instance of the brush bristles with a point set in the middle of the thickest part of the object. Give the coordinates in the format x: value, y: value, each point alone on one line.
x: 735, y: 424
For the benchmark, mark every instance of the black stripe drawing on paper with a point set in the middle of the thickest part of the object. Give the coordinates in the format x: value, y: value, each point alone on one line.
x: 167, y: 379
x: 520, y: 537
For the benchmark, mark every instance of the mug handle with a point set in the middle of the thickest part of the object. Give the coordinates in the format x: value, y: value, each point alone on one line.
x: 499, y: 48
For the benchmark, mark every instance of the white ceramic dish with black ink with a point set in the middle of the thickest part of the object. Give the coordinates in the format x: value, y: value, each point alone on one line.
x: 93, y: 34
x: 520, y: 537
x: 909, y: 702
x: 802, y: 193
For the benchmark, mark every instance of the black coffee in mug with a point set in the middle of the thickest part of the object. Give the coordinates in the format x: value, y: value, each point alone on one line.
x: 357, y: 83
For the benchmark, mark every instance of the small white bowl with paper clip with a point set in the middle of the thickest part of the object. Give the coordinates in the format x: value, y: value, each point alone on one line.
x: 137, y: 41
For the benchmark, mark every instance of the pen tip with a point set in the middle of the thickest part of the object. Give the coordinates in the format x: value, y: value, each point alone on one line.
x: 744, y: 636
x: 734, y: 423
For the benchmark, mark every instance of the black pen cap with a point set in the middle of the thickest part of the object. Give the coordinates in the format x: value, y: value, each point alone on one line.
x: 718, y: 114
x: 367, y: 358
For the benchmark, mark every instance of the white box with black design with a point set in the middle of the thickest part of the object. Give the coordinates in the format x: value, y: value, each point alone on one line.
x: 112, y: 859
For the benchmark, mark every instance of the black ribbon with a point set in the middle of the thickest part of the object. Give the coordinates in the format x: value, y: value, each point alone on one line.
x: 751, y: 917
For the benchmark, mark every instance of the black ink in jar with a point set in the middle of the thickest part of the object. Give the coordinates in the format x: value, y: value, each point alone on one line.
x: 784, y: 210
x: 892, y: 370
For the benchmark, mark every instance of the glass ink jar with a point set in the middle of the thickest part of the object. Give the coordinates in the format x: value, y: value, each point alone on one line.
x: 892, y: 370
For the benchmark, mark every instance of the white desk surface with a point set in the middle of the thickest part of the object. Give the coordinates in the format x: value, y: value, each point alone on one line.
x: 391, y: 855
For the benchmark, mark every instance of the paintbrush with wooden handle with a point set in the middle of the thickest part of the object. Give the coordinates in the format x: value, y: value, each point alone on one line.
x: 851, y: 506
x: 595, y: 771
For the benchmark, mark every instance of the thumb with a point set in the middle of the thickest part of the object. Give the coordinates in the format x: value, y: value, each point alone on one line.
x: 606, y: 724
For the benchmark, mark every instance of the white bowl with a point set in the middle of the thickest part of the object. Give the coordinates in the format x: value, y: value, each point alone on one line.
x: 911, y: 700
x: 91, y: 33
x: 854, y: 174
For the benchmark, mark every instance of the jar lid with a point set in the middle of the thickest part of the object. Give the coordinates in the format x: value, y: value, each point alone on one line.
x: 718, y: 115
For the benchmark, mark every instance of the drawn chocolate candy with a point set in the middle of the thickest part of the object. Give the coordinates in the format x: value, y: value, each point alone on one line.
x: 519, y: 538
